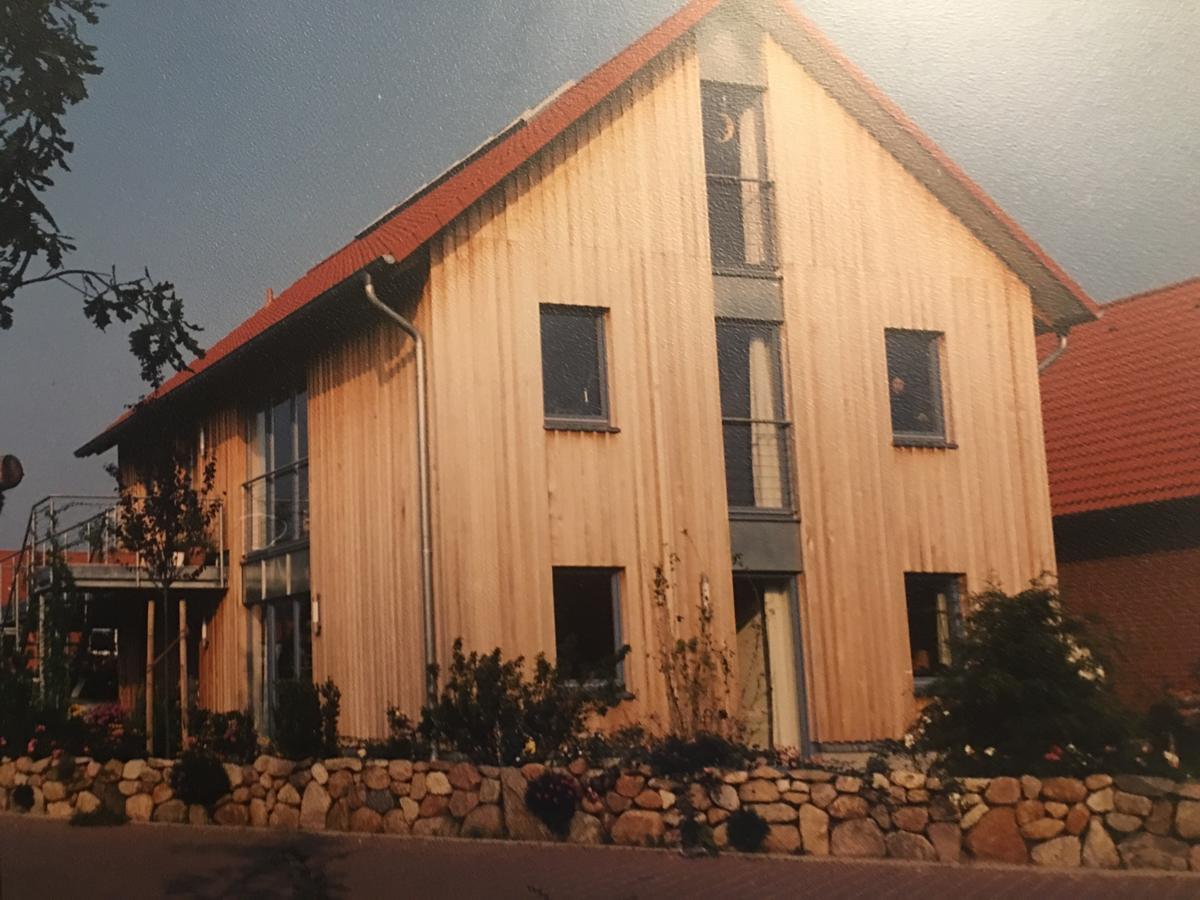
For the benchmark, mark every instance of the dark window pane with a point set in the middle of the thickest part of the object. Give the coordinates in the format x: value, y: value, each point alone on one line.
x: 302, y: 424
x: 733, y: 142
x: 914, y: 385
x: 573, y: 363
x: 584, y: 625
x: 282, y: 438
x: 932, y: 616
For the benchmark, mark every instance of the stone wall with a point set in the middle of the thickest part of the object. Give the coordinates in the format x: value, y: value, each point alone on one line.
x: 1099, y: 822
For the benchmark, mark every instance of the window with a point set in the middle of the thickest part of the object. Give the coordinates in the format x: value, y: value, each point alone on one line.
x: 915, y: 386
x: 769, y: 666
x: 933, y: 615
x: 574, y: 387
x: 757, y: 474
x: 587, y: 623
x: 739, y: 194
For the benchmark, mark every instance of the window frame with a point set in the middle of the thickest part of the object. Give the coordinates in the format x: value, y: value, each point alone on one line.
x: 615, y: 574
x: 602, y: 421
x: 935, y: 346
x: 927, y: 685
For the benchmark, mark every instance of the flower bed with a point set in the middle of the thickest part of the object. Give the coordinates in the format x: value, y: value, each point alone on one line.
x: 1099, y: 822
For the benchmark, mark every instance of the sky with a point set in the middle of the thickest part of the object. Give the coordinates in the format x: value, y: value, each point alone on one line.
x: 228, y: 146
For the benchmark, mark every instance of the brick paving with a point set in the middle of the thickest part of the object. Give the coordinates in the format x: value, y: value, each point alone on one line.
x: 46, y: 859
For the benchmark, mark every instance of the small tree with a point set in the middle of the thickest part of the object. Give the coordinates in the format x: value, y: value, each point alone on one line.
x: 166, y: 520
x: 1024, y: 694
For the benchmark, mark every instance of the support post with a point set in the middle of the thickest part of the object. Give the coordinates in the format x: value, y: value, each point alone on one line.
x: 150, y: 675
x: 183, y: 674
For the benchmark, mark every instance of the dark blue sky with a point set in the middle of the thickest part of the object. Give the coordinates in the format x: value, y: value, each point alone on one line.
x: 231, y: 145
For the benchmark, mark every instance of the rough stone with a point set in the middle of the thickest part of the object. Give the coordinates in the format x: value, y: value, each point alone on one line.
x: 1031, y: 787
x: 1123, y: 822
x: 857, y: 838
x: 521, y: 824
x: 339, y: 784
x: 139, y: 807
x: 314, y: 806
x: 629, y: 785
x: 725, y: 796
x: 1077, y: 819
x: 439, y: 826
x: 410, y: 809
x: 231, y: 814
x: 338, y: 817
x: 1132, y: 804
x: 133, y: 769
x: 400, y: 770
x: 395, y: 823
x: 823, y: 794
x: 419, y: 789
x: 462, y: 802
x: 1056, y: 810
x: 343, y: 763
x: 1059, y: 853
x: 918, y: 795
x: 282, y: 768
x: 1146, y: 785
x: 736, y: 777
x: 648, y: 799
x: 775, y: 813
x: 485, y: 822
x: 911, y: 818
x: 1043, y: 829
x: 489, y: 790
x: 437, y: 783
x: 616, y: 803
x: 946, y: 838
x: 758, y: 791
x: 882, y: 816
x: 54, y: 791
x: 465, y: 777
x: 942, y: 809
x: 1159, y: 820
x: 1003, y: 792
x: 1189, y: 790
x: 365, y: 820
x: 1097, y: 782
x: 284, y: 818
x: 376, y: 778
x: 86, y: 802
x: 531, y: 771
x: 288, y: 795
x: 1194, y: 858
x: 434, y: 805
x: 129, y: 788
x: 782, y: 839
x: 904, y: 845
x: 996, y: 838
x: 1101, y: 801
x: 974, y: 814
x: 638, y: 828
x: 1064, y: 790
x: 1099, y: 851
x: 1152, y: 851
x: 173, y: 811
x: 259, y: 815
x: 584, y: 829
x: 1030, y: 811
x: 319, y: 773
x: 908, y: 780
x: 198, y: 815
x: 848, y: 784
x: 1187, y: 819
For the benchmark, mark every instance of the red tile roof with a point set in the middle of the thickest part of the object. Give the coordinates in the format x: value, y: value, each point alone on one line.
x: 405, y: 230
x: 1122, y: 405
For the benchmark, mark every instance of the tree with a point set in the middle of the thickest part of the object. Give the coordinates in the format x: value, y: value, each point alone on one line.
x: 44, y: 64
x: 166, y: 519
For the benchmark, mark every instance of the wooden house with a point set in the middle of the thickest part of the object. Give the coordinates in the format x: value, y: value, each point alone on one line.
x: 714, y: 331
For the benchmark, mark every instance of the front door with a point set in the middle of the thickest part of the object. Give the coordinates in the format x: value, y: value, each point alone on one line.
x: 770, y: 671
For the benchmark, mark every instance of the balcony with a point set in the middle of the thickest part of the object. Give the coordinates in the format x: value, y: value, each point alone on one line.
x: 758, y: 477
x: 741, y: 222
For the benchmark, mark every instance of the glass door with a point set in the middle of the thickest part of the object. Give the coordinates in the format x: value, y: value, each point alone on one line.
x: 286, y: 648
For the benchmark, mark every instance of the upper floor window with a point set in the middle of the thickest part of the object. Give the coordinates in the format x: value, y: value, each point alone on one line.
x: 276, y: 494
x: 757, y: 471
x: 740, y: 215
x: 933, y: 614
x: 915, y: 386
x: 574, y: 376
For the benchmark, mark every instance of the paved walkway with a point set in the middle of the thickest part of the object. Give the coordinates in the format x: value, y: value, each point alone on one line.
x: 45, y: 859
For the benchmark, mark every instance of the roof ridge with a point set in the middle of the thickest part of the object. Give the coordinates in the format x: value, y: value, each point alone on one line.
x: 1150, y: 292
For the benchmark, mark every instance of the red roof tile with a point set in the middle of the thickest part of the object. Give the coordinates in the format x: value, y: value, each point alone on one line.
x: 403, y: 232
x: 1122, y: 405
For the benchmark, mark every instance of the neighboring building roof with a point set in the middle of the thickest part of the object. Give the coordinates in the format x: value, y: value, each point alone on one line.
x: 407, y: 228
x: 1122, y: 405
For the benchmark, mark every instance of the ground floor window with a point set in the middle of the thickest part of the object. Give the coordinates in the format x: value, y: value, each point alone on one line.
x: 587, y: 623
x: 284, y: 650
x: 933, y: 615
x: 770, y: 670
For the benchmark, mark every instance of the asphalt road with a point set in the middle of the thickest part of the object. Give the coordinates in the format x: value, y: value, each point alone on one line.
x: 46, y: 859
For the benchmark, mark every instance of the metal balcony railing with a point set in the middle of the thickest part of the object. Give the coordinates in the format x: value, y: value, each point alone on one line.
x: 741, y: 222
x: 275, y: 510
x: 758, y: 474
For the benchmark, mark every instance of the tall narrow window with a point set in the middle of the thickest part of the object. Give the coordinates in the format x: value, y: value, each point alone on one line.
x: 757, y: 474
x: 915, y: 386
x: 739, y: 193
x: 574, y: 386
x: 587, y: 623
x: 933, y: 611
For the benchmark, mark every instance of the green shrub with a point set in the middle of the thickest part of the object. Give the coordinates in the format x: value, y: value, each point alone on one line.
x: 22, y: 797
x: 404, y: 738
x: 228, y: 735
x: 1024, y: 694
x: 1172, y: 733
x: 301, y: 719
x: 696, y: 837
x: 552, y: 797
x: 683, y: 756
x: 747, y: 830
x: 16, y: 705
x: 331, y: 709
x: 490, y: 711
x: 198, y: 776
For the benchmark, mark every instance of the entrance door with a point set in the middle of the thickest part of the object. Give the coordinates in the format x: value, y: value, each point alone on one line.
x: 286, y: 647
x: 770, y: 673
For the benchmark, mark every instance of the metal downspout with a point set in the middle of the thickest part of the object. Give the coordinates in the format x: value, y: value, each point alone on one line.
x: 423, y: 486
x: 1054, y: 354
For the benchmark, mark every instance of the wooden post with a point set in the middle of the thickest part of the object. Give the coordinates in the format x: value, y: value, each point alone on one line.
x: 183, y: 674
x: 150, y: 675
